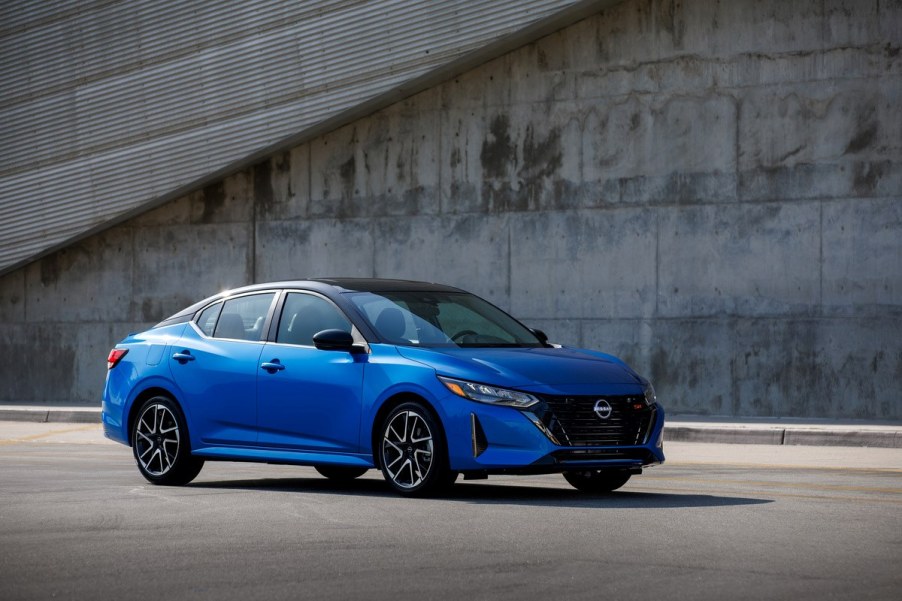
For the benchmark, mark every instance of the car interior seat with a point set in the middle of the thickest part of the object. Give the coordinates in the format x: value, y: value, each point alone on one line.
x: 390, y: 325
x: 230, y: 326
x: 310, y: 320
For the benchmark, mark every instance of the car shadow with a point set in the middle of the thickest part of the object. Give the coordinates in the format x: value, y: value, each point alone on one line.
x: 491, y: 494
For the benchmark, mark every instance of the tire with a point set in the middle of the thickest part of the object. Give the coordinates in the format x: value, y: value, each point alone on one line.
x: 161, y: 445
x: 412, y: 452
x: 340, y: 473
x: 597, y: 481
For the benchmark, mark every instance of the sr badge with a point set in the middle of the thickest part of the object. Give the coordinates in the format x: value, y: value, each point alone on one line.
x: 603, y: 409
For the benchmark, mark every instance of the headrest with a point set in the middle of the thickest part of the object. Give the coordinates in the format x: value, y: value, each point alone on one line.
x: 390, y: 324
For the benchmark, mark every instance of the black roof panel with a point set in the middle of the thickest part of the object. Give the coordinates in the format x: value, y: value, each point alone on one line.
x: 384, y: 285
x: 339, y: 284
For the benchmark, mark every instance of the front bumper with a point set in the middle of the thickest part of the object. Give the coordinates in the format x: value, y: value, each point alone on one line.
x: 484, y: 439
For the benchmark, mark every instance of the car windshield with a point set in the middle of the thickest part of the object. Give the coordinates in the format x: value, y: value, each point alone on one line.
x: 441, y: 319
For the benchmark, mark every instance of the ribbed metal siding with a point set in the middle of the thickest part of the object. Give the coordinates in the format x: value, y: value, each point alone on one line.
x: 106, y: 106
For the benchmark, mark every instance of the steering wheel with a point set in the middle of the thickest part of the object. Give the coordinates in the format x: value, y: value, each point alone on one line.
x: 463, y: 333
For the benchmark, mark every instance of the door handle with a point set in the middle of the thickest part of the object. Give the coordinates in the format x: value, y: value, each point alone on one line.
x: 183, y: 357
x: 272, y: 366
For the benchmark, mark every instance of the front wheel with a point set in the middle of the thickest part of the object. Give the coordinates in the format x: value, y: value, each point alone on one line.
x: 412, y: 451
x: 340, y: 473
x: 597, y: 481
x: 161, y: 446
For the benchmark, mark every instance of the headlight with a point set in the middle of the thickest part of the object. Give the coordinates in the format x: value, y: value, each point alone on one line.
x: 489, y: 394
x: 649, y: 391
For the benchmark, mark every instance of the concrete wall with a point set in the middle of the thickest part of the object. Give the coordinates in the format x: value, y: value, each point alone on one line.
x: 177, y: 94
x: 712, y: 191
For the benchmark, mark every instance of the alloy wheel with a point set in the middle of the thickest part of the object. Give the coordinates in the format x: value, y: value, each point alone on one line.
x: 157, y: 439
x: 407, y: 449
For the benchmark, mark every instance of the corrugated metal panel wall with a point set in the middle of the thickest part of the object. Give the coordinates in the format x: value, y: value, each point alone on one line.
x: 108, y: 106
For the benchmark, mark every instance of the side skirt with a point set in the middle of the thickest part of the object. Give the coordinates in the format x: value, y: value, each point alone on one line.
x: 283, y: 457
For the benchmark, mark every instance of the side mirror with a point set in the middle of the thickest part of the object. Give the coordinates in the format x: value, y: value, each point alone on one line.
x: 333, y: 340
x: 542, y: 336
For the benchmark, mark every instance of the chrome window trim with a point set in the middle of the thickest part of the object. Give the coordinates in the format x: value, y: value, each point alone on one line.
x: 266, y: 321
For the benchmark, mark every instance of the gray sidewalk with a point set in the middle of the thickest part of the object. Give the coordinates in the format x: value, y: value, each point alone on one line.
x: 679, y: 428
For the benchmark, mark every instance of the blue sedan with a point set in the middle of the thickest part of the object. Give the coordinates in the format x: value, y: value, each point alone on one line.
x: 423, y: 381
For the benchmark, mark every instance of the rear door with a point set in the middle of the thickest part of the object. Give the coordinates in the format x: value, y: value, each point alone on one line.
x: 309, y: 399
x: 215, y: 364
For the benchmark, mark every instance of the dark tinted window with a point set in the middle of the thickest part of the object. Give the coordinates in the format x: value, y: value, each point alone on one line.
x: 304, y: 315
x: 242, y: 318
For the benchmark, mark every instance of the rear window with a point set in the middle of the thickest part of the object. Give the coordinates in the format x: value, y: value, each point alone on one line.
x: 242, y: 318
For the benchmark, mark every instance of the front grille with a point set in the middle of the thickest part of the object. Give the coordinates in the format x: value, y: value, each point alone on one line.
x: 573, y: 421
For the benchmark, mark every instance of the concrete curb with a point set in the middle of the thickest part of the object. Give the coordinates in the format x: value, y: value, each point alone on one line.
x: 713, y: 430
x: 56, y: 414
x: 885, y: 439
x: 820, y: 434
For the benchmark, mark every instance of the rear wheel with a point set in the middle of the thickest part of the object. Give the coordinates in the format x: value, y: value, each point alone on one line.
x: 597, y: 481
x: 340, y: 473
x: 160, y: 444
x: 412, y: 452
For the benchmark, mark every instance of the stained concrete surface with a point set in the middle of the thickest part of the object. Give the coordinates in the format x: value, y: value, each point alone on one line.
x: 710, y: 190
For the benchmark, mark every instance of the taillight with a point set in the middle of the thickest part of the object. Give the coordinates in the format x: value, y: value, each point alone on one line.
x: 115, y: 357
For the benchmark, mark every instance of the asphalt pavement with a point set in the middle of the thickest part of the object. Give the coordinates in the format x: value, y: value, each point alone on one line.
x: 716, y: 521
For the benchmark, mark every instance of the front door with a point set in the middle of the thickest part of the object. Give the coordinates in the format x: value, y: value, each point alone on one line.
x: 309, y: 399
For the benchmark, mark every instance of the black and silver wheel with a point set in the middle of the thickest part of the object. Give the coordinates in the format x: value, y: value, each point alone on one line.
x: 160, y: 443
x: 412, y: 451
x: 597, y: 481
x: 340, y: 473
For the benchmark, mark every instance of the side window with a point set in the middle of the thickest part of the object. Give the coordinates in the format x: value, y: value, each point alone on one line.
x: 304, y: 315
x: 242, y: 318
x: 206, y: 321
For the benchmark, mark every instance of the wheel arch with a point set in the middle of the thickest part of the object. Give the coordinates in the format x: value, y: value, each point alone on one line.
x: 139, y: 400
x: 388, y: 406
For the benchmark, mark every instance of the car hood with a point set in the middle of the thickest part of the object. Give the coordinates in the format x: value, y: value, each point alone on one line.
x: 525, y: 367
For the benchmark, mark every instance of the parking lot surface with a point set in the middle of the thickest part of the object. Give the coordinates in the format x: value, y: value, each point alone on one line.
x: 717, y: 521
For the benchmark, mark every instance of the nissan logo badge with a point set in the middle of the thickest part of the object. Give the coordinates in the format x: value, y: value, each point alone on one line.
x: 603, y: 409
